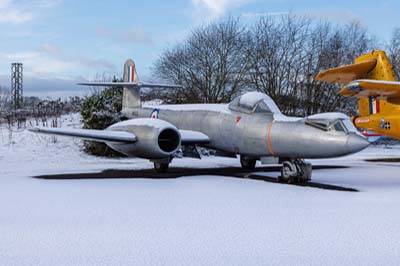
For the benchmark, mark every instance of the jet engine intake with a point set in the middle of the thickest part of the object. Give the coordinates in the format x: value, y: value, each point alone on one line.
x: 169, y: 140
x: 156, y: 139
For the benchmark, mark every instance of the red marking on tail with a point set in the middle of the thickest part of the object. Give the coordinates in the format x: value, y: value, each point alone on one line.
x: 378, y: 106
x: 133, y: 73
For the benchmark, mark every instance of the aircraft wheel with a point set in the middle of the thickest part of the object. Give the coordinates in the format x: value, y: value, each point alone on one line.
x: 247, y: 163
x: 295, y: 171
x: 288, y: 172
x: 161, y: 167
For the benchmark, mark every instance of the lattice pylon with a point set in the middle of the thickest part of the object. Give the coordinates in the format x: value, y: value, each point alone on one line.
x: 17, y: 85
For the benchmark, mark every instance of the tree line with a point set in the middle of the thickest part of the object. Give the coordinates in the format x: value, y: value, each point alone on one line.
x: 276, y: 55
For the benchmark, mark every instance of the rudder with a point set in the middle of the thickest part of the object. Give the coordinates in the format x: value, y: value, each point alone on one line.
x: 131, y: 95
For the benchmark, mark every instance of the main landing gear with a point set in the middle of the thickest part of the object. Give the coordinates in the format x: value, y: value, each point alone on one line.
x: 292, y: 171
x: 295, y: 171
x: 247, y: 163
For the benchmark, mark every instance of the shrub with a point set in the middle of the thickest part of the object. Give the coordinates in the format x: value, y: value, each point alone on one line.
x: 99, y: 111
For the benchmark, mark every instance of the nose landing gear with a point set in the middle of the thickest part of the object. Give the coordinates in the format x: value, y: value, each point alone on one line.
x: 295, y: 171
x: 162, y: 165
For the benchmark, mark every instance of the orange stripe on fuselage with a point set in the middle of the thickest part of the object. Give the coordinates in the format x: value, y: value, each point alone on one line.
x: 269, y: 140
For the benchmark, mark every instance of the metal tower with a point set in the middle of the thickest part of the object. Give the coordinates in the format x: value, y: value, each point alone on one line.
x: 16, y: 85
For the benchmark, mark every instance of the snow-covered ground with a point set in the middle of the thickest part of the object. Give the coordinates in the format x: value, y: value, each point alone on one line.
x: 194, y: 220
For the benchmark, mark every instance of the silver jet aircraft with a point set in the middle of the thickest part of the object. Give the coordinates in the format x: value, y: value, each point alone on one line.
x: 251, y: 126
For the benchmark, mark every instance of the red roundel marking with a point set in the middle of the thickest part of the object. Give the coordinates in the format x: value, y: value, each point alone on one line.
x: 154, y: 114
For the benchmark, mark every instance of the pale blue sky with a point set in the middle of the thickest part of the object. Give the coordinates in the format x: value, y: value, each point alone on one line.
x: 63, y: 41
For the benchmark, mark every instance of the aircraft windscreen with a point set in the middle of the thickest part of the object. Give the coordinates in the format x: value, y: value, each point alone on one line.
x: 338, y: 126
x: 349, y: 126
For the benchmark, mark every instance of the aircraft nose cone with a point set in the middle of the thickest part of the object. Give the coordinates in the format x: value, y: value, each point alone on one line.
x: 356, y: 143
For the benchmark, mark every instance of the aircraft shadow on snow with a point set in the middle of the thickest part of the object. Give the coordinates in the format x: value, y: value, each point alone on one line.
x: 234, y: 172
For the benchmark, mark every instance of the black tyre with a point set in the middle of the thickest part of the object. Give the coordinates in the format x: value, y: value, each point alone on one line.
x: 247, y: 163
x: 288, y: 172
x: 161, y: 167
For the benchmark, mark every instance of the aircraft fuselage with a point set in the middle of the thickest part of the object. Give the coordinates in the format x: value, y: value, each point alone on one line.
x: 256, y: 135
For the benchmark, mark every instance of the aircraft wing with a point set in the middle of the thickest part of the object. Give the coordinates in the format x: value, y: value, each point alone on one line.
x: 89, y: 134
x: 128, y: 85
x: 346, y: 74
x: 193, y: 137
x: 187, y: 136
x: 366, y: 88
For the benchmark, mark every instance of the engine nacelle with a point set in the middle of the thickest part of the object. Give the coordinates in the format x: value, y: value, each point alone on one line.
x: 156, y: 139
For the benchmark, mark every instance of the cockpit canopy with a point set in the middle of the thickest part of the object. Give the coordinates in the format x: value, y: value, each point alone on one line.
x: 331, y: 122
x: 254, y: 102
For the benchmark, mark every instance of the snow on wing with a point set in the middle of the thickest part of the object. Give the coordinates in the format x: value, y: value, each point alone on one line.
x: 128, y: 85
x: 89, y: 134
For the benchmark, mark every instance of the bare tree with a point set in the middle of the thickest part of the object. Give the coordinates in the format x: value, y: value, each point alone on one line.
x: 277, y: 55
x: 4, y: 99
x: 289, y: 51
x: 277, y: 58
x: 393, y: 48
x: 211, y: 64
x: 329, y: 47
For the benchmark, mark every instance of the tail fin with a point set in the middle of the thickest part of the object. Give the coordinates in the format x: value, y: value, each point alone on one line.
x: 131, y: 95
x: 383, y: 70
x: 131, y: 86
x: 373, y: 66
x: 130, y: 74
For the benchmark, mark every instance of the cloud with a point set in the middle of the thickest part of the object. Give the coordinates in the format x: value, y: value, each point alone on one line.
x: 98, y: 63
x: 47, y: 3
x: 10, y: 13
x: 50, y: 49
x: 48, y: 87
x: 333, y: 15
x: 264, y: 14
x: 48, y: 61
x: 210, y: 9
x: 48, y: 72
x: 17, y: 12
x: 216, y: 7
x: 38, y: 63
x: 135, y: 35
x: 19, y: 56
